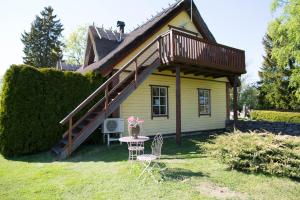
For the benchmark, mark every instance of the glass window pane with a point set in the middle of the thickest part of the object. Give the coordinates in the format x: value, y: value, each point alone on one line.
x: 163, y: 110
x: 163, y: 91
x: 201, y: 109
x: 206, y: 110
x: 159, y: 101
x: 200, y: 93
x: 155, y: 91
x: 204, y: 101
x: 163, y: 101
x: 155, y: 101
x: 155, y: 110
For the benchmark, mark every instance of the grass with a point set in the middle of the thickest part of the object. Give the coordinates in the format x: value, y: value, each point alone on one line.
x: 95, y: 172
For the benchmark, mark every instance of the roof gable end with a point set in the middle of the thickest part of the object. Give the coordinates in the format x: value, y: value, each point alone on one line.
x: 142, y: 33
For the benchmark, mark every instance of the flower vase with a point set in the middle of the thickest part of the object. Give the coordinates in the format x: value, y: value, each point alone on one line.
x: 134, y: 131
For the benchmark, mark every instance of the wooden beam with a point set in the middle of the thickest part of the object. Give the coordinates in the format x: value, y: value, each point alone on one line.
x: 178, y: 106
x: 218, y: 76
x: 235, y: 100
x: 189, y: 72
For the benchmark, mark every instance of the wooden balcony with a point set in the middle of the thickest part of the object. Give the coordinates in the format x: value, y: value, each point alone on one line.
x: 200, y: 56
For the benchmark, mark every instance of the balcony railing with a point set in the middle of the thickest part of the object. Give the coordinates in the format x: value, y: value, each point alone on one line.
x: 180, y: 47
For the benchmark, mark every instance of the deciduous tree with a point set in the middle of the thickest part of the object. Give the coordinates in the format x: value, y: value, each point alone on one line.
x: 285, y: 32
x: 75, y: 46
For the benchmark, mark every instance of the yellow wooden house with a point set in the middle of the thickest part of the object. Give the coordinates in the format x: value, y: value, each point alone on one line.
x: 170, y: 71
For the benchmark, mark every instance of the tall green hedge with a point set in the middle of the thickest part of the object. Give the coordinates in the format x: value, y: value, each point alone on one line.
x: 33, y: 101
x: 276, y: 116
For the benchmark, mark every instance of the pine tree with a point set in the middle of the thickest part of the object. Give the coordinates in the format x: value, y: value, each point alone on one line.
x: 274, y: 90
x: 42, y: 44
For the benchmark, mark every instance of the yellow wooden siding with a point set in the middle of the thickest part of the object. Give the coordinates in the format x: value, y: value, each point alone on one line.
x: 182, y: 19
x: 139, y: 104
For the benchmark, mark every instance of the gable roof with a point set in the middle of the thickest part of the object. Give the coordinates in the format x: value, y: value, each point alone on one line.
x: 102, y: 42
x: 139, y: 35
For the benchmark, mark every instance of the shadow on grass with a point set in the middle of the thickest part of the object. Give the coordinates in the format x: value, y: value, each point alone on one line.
x: 118, y: 153
x: 180, y: 174
x: 86, y: 153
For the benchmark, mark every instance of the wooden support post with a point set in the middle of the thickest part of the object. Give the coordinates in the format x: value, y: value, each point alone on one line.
x: 178, y: 106
x: 235, y: 100
x: 171, y: 45
x: 70, y: 137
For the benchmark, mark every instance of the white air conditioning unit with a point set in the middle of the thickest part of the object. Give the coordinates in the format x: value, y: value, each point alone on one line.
x: 113, y: 125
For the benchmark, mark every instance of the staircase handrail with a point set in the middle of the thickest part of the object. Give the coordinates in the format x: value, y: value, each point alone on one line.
x: 106, y: 83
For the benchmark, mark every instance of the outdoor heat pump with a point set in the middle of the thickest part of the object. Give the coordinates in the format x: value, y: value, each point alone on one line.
x: 113, y: 125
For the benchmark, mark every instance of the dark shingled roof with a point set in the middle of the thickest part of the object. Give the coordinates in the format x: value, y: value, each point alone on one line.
x: 117, y: 50
x: 104, y: 40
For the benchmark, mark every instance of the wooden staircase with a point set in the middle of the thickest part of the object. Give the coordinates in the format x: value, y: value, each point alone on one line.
x: 131, y: 76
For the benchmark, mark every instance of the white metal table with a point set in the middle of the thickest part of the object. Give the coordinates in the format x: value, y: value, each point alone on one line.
x: 135, y: 145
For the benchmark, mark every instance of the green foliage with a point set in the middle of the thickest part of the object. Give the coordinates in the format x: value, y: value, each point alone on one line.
x: 275, y: 91
x: 295, y: 82
x: 42, y: 44
x: 75, y: 46
x: 285, y: 31
x: 276, y: 116
x: 33, y: 102
x: 264, y: 153
x: 286, y: 36
x: 248, y: 97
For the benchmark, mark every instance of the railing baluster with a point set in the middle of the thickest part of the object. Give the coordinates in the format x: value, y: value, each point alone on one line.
x: 106, y: 99
x: 70, y: 136
x: 188, y: 47
x: 160, y: 49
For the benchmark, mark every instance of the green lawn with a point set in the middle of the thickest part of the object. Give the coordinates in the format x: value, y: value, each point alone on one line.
x: 95, y: 172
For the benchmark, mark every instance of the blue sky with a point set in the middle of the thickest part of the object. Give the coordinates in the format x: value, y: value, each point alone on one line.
x: 240, y: 24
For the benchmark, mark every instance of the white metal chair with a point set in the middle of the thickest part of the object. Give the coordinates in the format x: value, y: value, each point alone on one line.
x: 148, y: 160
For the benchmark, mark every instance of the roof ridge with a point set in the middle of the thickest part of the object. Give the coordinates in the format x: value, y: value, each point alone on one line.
x: 159, y: 13
x: 136, y: 37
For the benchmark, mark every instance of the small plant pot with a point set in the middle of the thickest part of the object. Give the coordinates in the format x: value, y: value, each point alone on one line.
x: 134, y: 131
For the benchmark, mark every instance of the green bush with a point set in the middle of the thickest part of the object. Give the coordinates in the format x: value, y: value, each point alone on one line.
x: 276, y: 116
x: 252, y: 152
x: 33, y: 102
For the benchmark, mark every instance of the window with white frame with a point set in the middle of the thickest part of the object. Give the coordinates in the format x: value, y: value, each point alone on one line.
x: 204, y: 99
x: 159, y: 99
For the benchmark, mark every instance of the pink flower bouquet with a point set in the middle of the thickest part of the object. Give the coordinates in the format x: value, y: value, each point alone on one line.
x: 134, y: 126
